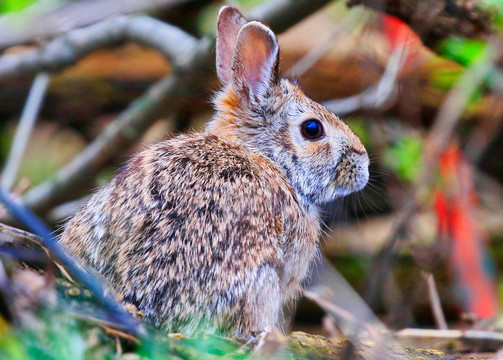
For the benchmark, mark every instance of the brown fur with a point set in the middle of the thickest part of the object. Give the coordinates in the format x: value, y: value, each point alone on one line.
x: 159, y: 223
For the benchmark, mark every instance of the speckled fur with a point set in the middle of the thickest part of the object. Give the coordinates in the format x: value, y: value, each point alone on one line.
x: 215, y: 231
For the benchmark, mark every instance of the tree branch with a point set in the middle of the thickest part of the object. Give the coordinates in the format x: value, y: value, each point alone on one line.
x: 41, y: 21
x: 66, y: 50
x: 376, y: 96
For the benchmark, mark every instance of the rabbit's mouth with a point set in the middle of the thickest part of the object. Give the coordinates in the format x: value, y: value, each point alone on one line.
x: 351, y: 173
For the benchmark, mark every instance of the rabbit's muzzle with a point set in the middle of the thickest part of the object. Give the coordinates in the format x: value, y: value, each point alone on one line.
x: 352, y: 172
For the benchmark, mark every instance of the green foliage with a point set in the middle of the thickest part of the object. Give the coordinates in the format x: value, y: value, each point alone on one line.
x: 495, y: 8
x: 444, y: 78
x: 7, y: 6
x: 353, y: 268
x: 463, y: 51
x: 53, y: 334
x: 54, y: 338
x: 404, y: 157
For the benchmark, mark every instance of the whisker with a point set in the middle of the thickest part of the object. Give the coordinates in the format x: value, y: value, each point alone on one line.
x: 376, y: 208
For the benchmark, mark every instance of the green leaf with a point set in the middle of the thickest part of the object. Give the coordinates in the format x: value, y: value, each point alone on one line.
x: 404, y: 157
x: 7, y: 6
x: 463, y: 51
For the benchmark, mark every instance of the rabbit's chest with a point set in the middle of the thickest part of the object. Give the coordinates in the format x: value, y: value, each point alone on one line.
x: 301, y: 247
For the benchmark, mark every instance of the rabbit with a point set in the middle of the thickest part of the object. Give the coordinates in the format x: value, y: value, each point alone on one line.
x: 214, y: 231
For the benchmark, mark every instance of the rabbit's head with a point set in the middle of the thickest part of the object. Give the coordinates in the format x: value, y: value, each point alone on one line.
x: 320, y: 155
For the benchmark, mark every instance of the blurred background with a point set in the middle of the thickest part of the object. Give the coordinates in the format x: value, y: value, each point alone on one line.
x: 84, y: 84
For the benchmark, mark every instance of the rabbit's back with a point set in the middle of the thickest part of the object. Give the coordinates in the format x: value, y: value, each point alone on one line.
x: 196, y: 228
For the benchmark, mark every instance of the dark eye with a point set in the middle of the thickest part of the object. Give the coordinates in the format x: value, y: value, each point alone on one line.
x: 312, y: 129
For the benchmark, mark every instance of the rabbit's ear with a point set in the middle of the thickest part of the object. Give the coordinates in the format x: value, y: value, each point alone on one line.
x: 255, y: 64
x: 230, y: 21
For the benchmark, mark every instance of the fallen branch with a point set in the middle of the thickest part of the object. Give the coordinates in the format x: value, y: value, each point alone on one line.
x: 116, y: 138
x: 452, y: 340
x: 341, y: 315
x: 66, y: 50
x: 32, y: 257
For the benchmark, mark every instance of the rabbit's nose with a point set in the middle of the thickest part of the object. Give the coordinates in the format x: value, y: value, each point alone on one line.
x: 352, y: 173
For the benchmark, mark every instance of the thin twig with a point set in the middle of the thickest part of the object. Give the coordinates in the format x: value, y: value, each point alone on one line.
x: 108, y: 326
x: 332, y: 292
x: 468, y: 339
x: 375, y: 96
x: 487, y: 130
x: 175, y: 44
x: 24, y: 129
x: 298, y: 69
x: 436, y: 306
x: 71, y: 264
x: 450, y: 113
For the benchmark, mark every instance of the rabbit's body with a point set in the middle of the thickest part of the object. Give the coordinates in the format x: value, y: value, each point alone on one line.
x: 215, y: 230
x: 199, y: 234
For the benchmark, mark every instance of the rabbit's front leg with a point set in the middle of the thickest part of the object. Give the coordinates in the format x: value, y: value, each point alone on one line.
x: 259, y: 308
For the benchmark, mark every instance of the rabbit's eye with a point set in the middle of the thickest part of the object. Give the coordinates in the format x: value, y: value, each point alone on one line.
x: 312, y: 129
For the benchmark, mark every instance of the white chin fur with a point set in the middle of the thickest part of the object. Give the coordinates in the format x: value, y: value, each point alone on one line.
x: 361, y: 180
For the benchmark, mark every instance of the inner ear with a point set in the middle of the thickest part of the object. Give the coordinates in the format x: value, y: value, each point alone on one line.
x: 230, y: 21
x: 255, y: 66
